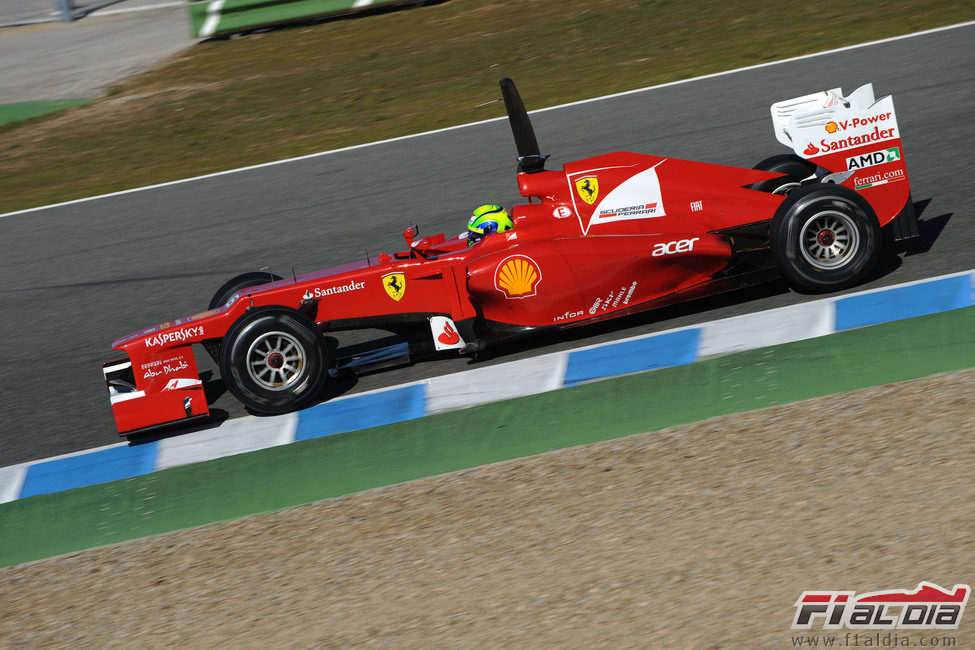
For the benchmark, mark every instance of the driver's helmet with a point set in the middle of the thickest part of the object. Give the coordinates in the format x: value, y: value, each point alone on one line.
x: 486, y: 220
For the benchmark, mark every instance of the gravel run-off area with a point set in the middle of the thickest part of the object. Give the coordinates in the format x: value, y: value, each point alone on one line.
x: 698, y: 536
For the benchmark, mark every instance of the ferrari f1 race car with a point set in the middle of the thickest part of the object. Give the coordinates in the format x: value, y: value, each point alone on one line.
x: 601, y: 238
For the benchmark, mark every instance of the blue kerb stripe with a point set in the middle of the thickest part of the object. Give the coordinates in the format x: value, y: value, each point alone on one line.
x: 904, y: 302
x: 661, y: 351
x: 88, y: 469
x: 362, y: 412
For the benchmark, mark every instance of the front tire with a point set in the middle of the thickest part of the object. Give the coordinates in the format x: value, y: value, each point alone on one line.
x: 226, y: 292
x: 825, y: 238
x: 274, y: 360
x: 239, y: 283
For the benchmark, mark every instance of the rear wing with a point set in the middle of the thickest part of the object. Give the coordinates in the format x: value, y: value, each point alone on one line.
x: 854, y: 138
x: 817, y: 125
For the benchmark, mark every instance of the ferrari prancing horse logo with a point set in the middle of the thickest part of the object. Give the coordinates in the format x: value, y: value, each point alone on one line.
x: 395, y: 285
x: 588, y: 188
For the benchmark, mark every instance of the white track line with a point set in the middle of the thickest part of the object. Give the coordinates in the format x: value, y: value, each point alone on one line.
x: 128, y: 10
x: 494, y: 119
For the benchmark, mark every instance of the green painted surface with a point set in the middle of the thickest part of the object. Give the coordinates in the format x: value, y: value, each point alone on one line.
x: 25, y: 110
x: 241, y: 15
x: 280, y: 477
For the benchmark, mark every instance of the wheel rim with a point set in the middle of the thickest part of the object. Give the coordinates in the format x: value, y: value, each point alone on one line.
x: 829, y: 239
x: 275, y: 360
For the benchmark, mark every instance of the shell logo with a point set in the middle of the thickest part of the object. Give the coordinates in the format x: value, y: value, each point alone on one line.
x: 517, y: 277
x: 831, y: 127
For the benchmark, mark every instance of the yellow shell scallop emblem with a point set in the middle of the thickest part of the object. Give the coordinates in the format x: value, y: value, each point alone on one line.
x: 517, y: 277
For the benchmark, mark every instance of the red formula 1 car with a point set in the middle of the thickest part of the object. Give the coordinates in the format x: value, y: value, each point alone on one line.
x: 601, y: 238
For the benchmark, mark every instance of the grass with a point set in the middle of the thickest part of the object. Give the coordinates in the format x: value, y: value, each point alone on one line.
x: 263, y: 97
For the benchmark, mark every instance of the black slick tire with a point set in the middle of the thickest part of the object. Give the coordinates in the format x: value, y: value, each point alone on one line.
x: 825, y: 237
x: 796, y: 169
x: 239, y: 283
x: 274, y: 360
x: 226, y: 292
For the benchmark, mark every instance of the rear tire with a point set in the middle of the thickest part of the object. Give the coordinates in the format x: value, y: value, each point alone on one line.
x: 825, y: 238
x: 274, y: 360
x: 795, y: 169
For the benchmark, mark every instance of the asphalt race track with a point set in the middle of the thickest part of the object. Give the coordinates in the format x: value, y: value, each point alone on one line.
x: 78, y: 276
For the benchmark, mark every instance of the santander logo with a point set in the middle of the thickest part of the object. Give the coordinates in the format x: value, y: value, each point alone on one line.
x: 811, y: 150
x: 445, y: 334
x: 449, y: 335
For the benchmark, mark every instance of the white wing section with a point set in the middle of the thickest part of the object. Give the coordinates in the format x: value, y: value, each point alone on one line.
x: 782, y: 111
x: 638, y: 197
x: 825, y: 122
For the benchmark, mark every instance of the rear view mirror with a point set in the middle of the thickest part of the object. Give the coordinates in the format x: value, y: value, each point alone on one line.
x: 410, y: 233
